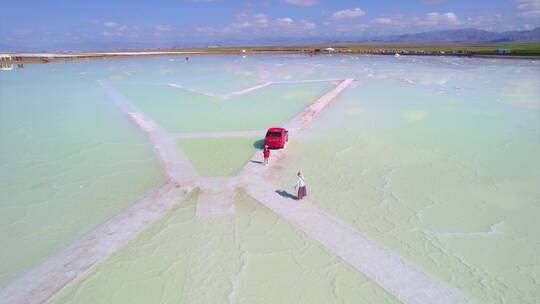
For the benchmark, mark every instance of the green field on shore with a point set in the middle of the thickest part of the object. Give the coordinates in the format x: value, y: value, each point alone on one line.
x: 521, y: 49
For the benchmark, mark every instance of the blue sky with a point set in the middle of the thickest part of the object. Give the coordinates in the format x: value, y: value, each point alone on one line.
x: 43, y: 23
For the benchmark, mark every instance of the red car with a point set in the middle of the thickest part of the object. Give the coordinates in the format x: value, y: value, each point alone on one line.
x: 276, y: 138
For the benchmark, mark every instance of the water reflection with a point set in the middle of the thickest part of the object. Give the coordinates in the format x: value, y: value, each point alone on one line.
x: 6, y: 67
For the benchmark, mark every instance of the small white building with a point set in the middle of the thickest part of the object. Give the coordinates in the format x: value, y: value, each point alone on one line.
x: 329, y: 49
x: 503, y: 51
x: 5, y: 57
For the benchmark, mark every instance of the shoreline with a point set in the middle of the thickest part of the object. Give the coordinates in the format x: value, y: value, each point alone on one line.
x: 41, y: 58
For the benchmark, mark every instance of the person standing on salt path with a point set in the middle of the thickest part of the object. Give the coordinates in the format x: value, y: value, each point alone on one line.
x: 266, y: 155
x: 301, y: 186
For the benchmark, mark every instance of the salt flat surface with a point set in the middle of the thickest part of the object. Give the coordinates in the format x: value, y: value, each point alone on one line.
x: 441, y: 174
x: 396, y: 275
x: 68, y: 161
x: 432, y: 159
x: 253, y: 256
x: 44, y: 281
x: 168, y: 106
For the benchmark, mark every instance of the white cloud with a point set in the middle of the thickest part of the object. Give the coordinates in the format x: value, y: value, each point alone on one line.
x: 262, y: 24
x: 109, y: 24
x: 251, y: 21
x: 110, y: 34
x: 163, y: 28
x: 430, y: 19
x: 437, y: 19
x: 528, y: 8
x: 206, y: 29
x: 434, y: 1
x: 284, y: 21
x: 349, y: 13
x: 306, y: 25
x: 493, y: 21
x: 302, y: 2
x: 382, y: 20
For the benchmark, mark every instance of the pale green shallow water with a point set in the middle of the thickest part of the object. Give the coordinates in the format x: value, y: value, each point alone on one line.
x: 451, y: 181
x: 178, y: 110
x: 218, y: 156
x: 251, y: 257
x: 69, y: 161
x: 437, y: 159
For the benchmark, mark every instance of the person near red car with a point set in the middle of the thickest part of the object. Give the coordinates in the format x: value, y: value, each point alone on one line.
x: 266, y: 155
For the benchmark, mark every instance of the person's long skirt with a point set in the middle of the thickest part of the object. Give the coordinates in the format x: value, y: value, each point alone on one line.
x: 302, y: 192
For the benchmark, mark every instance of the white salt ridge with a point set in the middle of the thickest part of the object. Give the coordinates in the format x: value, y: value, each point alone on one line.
x: 174, y: 85
x: 218, y: 196
x: 247, y: 90
x: 173, y: 161
x: 145, y: 124
x: 301, y: 120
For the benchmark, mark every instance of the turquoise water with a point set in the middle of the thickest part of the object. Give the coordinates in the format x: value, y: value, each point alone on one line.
x: 69, y: 160
x: 253, y: 256
x: 437, y: 159
x: 178, y: 110
x: 444, y: 172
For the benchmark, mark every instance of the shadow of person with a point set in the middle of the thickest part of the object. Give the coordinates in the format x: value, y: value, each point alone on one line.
x: 256, y: 161
x: 286, y: 194
x: 259, y: 144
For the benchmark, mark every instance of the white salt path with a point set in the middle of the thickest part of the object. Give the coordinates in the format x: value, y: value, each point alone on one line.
x: 146, y: 125
x: 173, y: 161
x: 301, y: 120
x: 44, y: 281
x: 174, y: 85
x: 247, y: 90
x: 216, y: 197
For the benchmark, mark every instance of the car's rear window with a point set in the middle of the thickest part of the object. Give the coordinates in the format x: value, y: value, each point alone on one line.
x: 273, y: 134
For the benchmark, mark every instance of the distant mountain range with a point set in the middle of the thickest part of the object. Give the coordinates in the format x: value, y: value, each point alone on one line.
x: 468, y: 35
x: 461, y: 36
